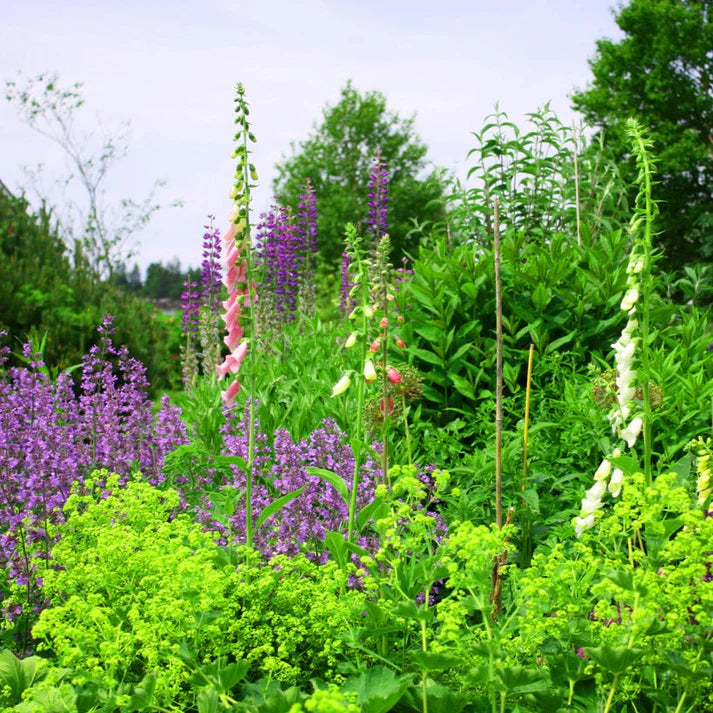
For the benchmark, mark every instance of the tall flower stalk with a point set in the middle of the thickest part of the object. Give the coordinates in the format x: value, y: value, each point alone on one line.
x: 306, y: 229
x: 211, y: 283
x: 628, y: 417
x: 238, y: 280
x: 360, y: 293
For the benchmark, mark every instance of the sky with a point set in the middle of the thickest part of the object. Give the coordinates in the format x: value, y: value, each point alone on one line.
x: 169, y: 69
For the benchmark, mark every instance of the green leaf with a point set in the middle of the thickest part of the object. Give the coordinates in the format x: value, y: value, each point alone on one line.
x: 627, y: 464
x: 336, y: 543
x: 430, y: 357
x: 376, y: 509
x: 429, y: 661
x: 530, y: 496
x: 143, y: 693
x: 378, y: 689
x: 615, y: 659
x: 277, y: 505
x: 336, y: 481
x: 557, y: 343
x: 208, y: 701
x: 517, y: 680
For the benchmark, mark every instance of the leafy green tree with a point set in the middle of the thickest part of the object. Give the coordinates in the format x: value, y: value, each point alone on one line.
x: 337, y: 158
x: 165, y: 280
x: 661, y: 72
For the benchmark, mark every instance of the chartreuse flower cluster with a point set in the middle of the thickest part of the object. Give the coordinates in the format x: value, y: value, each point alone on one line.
x: 627, y: 415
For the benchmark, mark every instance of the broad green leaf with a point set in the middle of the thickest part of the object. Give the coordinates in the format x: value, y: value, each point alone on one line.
x: 336, y: 481
x: 530, y: 496
x: 143, y: 693
x: 208, y: 701
x: 615, y: 659
x: 430, y: 357
x: 277, y: 505
x: 429, y: 661
x: 373, y: 510
x: 378, y: 689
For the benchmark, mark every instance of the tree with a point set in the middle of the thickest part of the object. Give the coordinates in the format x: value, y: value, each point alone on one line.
x: 661, y: 73
x: 107, y: 231
x: 337, y: 158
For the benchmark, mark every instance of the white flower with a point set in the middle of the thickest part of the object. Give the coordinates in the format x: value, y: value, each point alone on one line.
x: 596, y: 491
x: 632, y: 431
x: 630, y: 298
x: 341, y: 386
x: 617, y: 479
x: 603, y: 470
x: 583, y: 523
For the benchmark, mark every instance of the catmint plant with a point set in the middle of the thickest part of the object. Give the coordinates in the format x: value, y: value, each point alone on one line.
x: 55, y: 433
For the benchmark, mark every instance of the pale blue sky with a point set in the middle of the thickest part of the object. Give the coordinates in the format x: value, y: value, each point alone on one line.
x: 170, y: 68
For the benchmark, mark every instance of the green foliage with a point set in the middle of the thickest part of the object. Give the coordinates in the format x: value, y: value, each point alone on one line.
x: 129, y: 582
x: 563, y: 269
x: 337, y: 158
x: 287, y: 617
x: 632, y: 597
x: 50, y: 296
x: 659, y: 72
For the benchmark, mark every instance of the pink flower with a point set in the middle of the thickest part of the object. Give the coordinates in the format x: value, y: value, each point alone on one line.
x: 400, y: 343
x: 232, y: 361
x: 384, y: 323
x: 230, y: 393
x: 375, y: 345
x: 394, y: 376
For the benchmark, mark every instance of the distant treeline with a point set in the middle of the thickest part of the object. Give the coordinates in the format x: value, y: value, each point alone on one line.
x: 162, y: 281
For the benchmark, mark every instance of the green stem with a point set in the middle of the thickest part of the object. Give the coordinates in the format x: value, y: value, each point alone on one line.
x: 407, y: 433
x: 679, y: 707
x: 424, y: 677
x: 357, y: 442
x: 612, y: 691
x: 384, y: 398
x: 649, y: 211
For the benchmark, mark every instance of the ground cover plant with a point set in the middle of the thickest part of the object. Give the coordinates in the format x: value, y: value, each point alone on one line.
x: 477, y: 490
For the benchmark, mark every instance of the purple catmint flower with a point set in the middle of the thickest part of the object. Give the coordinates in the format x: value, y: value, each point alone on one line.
x: 55, y: 433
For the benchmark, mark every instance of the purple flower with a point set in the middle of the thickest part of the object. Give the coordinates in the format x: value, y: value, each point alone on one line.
x: 378, y: 200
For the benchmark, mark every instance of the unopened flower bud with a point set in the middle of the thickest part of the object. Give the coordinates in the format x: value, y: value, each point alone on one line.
x: 384, y: 323
x: 351, y: 340
x: 400, y: 343
x: 375, y: 345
